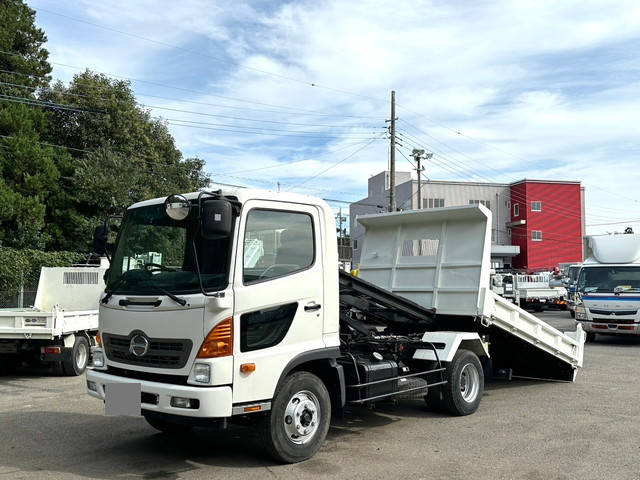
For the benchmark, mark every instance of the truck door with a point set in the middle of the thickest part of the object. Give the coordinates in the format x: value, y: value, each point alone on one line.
x: 278, y: 293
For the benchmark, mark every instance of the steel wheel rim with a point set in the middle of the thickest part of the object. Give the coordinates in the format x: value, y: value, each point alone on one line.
x: 302, y: 417
x: 81, y: 355
x: 469, y: 382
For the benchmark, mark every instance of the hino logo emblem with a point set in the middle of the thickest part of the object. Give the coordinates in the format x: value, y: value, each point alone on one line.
x: 139, y: 345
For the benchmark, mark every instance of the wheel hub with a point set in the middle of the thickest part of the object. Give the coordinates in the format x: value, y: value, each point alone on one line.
x: 469, y: 382
x: 302, y: 417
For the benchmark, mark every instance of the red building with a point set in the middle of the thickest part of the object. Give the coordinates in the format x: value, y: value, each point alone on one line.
x: 547, y: 223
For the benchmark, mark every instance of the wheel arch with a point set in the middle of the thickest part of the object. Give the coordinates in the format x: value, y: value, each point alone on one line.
x: 323, y: 364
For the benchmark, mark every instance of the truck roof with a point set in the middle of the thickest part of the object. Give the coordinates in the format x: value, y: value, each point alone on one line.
x: 244, y: 194
x: 621, y: 249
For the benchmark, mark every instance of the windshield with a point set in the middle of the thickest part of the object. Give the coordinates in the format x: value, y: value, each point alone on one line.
x: 609, y: 279
x: 573, y: 273
x: 155, y: 253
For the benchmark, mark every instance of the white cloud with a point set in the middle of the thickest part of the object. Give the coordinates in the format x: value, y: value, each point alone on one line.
x: 544, y: 88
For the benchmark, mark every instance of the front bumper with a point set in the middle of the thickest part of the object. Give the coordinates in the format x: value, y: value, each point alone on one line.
x: 610, y: 328
x: 215, y: 402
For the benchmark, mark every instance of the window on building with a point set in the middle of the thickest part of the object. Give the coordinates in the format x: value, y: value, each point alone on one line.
x: 516, y: 209
x: 355, y: 244
x: 509, y: 231
x: 536, y: 206
x: 536, y: 235
x: 434, y: 202
x: 486, y: 203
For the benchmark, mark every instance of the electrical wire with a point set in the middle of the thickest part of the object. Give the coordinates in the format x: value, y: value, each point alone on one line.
x: 291, y: 110
x: 322, y: 172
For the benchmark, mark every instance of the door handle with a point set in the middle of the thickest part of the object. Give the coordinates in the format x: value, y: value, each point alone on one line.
x: 312, y: 307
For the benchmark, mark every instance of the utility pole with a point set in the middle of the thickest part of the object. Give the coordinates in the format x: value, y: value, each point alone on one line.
x: 419, y: 155
x: 340, y: 215
x: 392, y: 159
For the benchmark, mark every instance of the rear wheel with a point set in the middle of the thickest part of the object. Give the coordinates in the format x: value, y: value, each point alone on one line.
x: 77, y: 364
x: 295, y: 428
x: 463, y: 392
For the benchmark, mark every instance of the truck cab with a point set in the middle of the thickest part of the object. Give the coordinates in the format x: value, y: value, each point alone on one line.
x: 607, y: 297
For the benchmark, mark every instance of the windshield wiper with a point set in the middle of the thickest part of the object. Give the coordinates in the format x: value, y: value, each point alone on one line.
x: 109, y: 294
x: 173, y: 297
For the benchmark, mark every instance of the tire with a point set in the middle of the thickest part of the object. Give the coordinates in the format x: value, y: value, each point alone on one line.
x: 462, y: 394
x: 301, y: 404
x: 572, y: 313
x: 537, y: 307
x: 167, y: 426
x: 591, y: 337
x: 79, y: 357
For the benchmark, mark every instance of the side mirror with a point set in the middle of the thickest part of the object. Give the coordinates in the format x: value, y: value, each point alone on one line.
x: 216, y: 219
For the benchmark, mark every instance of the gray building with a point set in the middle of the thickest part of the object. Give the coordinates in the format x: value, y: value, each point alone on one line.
x: 435, y: 194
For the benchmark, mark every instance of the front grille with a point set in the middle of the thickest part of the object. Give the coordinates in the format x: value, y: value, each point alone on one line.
x: 613, y: 312
x: 162, y: 353
x: 149, y: 377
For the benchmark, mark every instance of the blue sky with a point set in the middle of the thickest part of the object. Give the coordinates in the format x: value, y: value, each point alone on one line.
x: 497, y: 90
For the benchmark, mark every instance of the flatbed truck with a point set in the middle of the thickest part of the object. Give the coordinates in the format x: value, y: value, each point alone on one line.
x: 60, y: 327
x: 213, y: 334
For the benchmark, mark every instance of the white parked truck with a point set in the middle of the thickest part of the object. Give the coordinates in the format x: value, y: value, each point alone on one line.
x: 217, y: 334
x: 608, y: 289
x: 60, y: 326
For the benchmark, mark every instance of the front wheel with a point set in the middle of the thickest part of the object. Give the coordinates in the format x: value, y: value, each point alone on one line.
x: 463, y: 392
x: 295, y: 428
x: 591, y: 337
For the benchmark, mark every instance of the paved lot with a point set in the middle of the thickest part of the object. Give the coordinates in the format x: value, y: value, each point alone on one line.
x: 49, y: 428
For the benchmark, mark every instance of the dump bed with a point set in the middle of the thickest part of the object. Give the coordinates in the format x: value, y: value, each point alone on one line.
x: 66, y: 302
x: 440, y: 259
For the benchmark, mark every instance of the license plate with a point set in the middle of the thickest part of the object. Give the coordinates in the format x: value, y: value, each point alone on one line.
x: 8, y: 348
x: 122, y: 399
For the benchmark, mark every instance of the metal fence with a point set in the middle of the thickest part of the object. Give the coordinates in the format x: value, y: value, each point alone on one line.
x: 10, y: 300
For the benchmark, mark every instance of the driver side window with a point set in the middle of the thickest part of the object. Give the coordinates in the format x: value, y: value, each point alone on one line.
x: 277, y: 243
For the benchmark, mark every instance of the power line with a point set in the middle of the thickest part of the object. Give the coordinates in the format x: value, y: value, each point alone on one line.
x: 338, y: 162
x: 292, y: 110
x: 514, y: 196
x: 284, y: 164
x: 236, y: 125
x: 273, y: 134
x: 37, y: 103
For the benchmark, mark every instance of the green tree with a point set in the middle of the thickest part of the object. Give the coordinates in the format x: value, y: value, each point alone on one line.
x: 121, y: 155
x: 28, y: 169
x: 26, y: 61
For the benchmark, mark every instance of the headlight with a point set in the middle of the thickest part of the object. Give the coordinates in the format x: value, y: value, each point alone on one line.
x: 98, y: 359
x: 202, y: 372
x: 581, y: 313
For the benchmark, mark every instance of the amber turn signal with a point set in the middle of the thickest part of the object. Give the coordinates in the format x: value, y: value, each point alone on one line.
x: 248, y: 367
x: 98, y: 339
x: 219, y: 342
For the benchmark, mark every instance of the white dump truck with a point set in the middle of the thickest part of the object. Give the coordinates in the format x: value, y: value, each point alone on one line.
x: 60, y: 327
x: 608, y: 289
x: 248, y: 318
